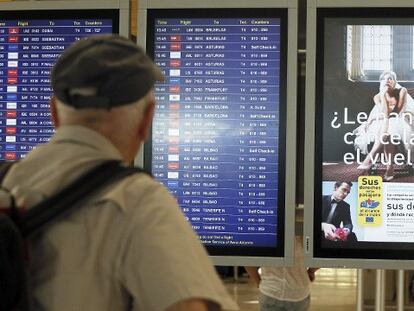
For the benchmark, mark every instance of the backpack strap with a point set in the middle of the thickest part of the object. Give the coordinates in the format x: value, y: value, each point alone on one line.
x: 71, y: 197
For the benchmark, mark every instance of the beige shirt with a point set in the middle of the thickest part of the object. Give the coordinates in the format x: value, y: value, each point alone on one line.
x: 287, y: 283
x: 128, y: 248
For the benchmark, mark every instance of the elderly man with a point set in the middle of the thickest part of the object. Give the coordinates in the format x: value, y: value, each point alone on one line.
x: 128, y: 248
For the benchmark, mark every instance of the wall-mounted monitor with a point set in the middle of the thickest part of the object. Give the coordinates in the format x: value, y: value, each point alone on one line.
x: 32, y: 36
x: 360, y: 134
x: 219, y: 137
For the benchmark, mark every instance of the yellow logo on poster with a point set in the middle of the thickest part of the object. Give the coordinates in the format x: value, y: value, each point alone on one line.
x: 369, y: 201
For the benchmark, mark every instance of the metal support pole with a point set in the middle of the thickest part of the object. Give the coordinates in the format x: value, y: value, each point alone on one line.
x: 400, y: 290
x: 379, y: 290
x: 360, y: 290
x: 235, y: 273
x: 383, y: 289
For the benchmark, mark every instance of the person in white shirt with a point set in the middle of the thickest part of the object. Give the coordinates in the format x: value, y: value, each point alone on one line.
x: 284, y: 288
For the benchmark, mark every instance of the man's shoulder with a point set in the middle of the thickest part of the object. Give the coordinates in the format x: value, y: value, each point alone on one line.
x: 326, y: 198
x: 344, y: 204
x: 134, y: 186
x: 140, y: 193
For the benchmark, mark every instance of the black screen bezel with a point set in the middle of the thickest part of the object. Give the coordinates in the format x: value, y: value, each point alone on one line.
x: 276, y: 251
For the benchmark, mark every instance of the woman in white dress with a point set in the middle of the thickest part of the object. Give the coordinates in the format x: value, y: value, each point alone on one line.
x: 392, y: 115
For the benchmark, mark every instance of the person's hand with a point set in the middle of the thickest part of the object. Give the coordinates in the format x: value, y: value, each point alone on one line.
x: 382, y: 85
x: 254, y: 275
x: 311, y: 273
x: 384, y: 90
x: 342, y: 233
x: 329, y: 231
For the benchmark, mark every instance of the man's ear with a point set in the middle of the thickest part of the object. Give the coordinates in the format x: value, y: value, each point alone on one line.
x: 147, y: 117
x: 53, y: 112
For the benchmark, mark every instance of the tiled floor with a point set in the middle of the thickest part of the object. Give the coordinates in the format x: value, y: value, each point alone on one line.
x: 333, y: 289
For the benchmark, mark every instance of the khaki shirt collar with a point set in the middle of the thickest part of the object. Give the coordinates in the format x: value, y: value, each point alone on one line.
x: 83, y: 135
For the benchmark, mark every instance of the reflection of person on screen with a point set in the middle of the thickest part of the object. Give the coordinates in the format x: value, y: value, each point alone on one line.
x: 392, y: 114
x: 336, y: 215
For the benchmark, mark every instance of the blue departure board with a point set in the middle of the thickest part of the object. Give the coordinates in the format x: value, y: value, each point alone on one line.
x: 216, y: 132
x: 28, y: 49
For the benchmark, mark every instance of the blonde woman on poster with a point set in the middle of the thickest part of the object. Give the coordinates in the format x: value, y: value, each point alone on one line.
x: 390, y: 121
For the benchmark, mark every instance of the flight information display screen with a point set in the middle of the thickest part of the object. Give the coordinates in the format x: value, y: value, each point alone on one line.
x: 217, y: 137
x: 30, y: 43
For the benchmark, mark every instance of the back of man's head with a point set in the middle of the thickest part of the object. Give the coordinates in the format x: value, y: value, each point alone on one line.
x: 105, y: 83
x: 102, y: 72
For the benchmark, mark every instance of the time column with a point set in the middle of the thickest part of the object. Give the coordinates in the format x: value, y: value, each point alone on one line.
x: 165, y: 129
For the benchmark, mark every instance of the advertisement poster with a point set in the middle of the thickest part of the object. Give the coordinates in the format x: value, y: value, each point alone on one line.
x: 367, y: 132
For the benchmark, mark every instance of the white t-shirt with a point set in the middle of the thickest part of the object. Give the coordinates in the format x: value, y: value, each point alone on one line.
x: 287, y: 283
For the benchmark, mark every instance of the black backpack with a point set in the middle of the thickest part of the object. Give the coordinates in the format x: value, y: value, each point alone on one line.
x: 15, y: 227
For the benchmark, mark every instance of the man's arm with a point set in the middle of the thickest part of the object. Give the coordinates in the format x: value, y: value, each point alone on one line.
x: 253, y: 272
x: 311, y: 273
x: 346, y: 216
x: 194, y: 305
